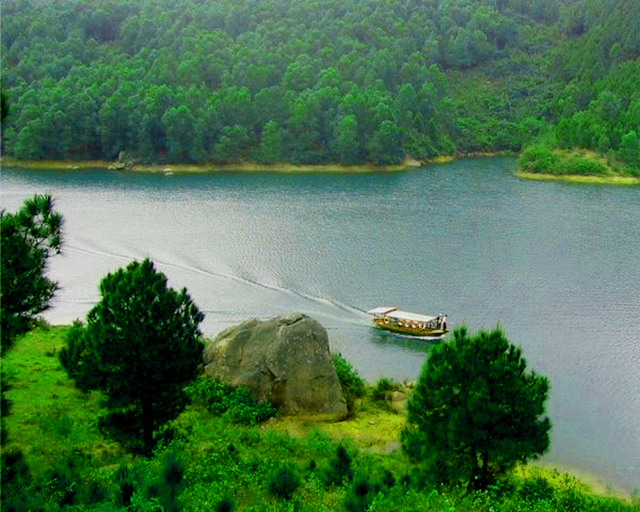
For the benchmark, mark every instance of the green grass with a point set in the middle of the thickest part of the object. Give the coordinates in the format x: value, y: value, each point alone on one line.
x: 71, y: 462
x: 540, y: 162
x: 49, y: 417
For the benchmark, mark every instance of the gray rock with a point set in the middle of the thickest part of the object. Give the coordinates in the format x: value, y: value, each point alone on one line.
x: 285, y: 359
x: 397, y: 400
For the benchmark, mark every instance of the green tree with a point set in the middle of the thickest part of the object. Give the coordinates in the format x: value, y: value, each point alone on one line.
x: 476, y: 411
x: 630, y: 149
x: 346, y: 140
x: 271, y: 144
x: 4, y: 106
x: 142, y: 345
x: 385, y: 147
x: 29, y: 237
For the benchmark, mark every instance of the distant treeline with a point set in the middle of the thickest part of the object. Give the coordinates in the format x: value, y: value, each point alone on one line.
x: 346, y: 81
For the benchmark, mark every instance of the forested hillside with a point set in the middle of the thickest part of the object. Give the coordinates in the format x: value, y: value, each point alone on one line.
x: 345, y: 81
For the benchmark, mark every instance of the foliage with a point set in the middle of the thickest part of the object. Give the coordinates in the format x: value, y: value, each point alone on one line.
x: 339, y: 469
x: 352, y: 385
x: 476, y: 411
x: 284, y: 481
x: 236, y: 404
x: 29, y: 237
x: 140, y: 346
x: 209, y: 476
x: 382, y: 387
x: 284, y: 81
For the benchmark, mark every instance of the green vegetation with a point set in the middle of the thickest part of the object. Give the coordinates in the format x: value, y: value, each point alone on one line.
x: 29, y: 238
x: 343, y: 82
x: 353, y: 386
x: 58, y: 459
x: 476, y: 411
x: 140, y: 347
x: 235, y: 404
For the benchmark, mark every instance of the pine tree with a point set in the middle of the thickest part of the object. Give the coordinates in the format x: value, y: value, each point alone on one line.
x: 29, y: 237
x: 141, y: 345
x: 476, y: 411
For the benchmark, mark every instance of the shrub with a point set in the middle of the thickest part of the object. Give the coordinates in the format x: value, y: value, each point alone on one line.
x: 352, y: 385
x: 173, y: 474
x: 126, y: 485
x: 226, y: 504
x: 536, y: 489
x: 388, y: 480
x: 339, y: 469
x: 283, y: 482
x: 245, y: 410
x: 538, y: 158
x: 383, y: 386
x: 236, y: 404
x: 361, y: 495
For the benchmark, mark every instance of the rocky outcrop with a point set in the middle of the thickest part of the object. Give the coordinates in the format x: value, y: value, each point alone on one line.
x: 285, y: 359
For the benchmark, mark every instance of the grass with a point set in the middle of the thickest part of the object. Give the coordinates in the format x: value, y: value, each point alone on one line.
x: 285, y: 168
x: 53, y: 423
x: 49, y: 417
x: 576, y: 178
x: 539, y: 162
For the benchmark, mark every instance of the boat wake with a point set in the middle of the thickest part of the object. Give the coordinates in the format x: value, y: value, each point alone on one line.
x: 279, y: 297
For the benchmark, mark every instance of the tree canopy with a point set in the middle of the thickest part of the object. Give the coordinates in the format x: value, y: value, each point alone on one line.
x: 29, y: 237
x: 476, y: 410
x: 347, y: 81
x: 140, y: 346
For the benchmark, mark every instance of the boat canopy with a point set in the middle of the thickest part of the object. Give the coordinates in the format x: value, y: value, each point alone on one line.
x: 383, y: 310
x: 393, y: 312
x: 403, y: 315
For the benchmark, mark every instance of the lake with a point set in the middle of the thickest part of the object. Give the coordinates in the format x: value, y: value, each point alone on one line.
x: 556, y: 265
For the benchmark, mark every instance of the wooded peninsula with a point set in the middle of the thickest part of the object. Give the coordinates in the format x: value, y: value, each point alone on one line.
x: 345, y: 83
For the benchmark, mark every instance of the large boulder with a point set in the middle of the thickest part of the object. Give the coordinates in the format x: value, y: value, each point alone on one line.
x: 285, y: 359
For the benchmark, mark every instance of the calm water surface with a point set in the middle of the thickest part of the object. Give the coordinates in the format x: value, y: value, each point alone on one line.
x: 556, y: 265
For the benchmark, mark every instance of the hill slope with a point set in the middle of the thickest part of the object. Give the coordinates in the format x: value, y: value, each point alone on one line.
x: 345, y: 81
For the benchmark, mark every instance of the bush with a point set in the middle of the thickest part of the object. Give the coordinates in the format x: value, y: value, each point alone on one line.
x: 361, y: 495
x: 536, y: 489
x: 538, y: 158
x: 383, y: 386
x: 226, y: 504
x: 243, y: 409
x: 284, y: 481
x: 236, y: 404
x: 339, y: 469
x: 352, y: 385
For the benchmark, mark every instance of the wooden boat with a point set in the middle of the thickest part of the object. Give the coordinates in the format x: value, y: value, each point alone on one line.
x: 392, y: 319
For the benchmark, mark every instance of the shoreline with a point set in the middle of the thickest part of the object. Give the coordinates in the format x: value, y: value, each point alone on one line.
x: 373, y: 429
x: 579, y: 178
x: 284, y: 168
x: 281, y: 168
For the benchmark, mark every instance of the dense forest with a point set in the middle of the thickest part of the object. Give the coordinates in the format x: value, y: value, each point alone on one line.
x: 344, y: 81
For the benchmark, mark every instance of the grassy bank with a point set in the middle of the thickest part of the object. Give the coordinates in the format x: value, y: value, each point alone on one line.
x: 55, y: 427
x: 577, y: 178
x: 540, y: 162
x: 284, y: 168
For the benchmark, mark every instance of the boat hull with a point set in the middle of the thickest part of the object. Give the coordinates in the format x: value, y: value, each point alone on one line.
x: 409, y: 330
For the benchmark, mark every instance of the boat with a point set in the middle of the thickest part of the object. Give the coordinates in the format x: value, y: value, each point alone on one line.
x: 403, y: 322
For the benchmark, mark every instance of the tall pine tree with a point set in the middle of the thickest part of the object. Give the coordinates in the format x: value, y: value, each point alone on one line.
x: 476, y: 410
x: 140, y: 346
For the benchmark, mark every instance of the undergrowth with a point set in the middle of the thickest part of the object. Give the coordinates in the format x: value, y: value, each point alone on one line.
x: 56, y: 459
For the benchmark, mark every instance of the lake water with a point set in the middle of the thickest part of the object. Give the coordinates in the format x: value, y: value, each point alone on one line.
x: 556, y: 265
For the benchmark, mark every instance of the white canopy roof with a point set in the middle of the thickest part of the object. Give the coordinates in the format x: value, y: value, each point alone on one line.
x: 393, y: 312
x: 403, y: 315
x: 383, y: 310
